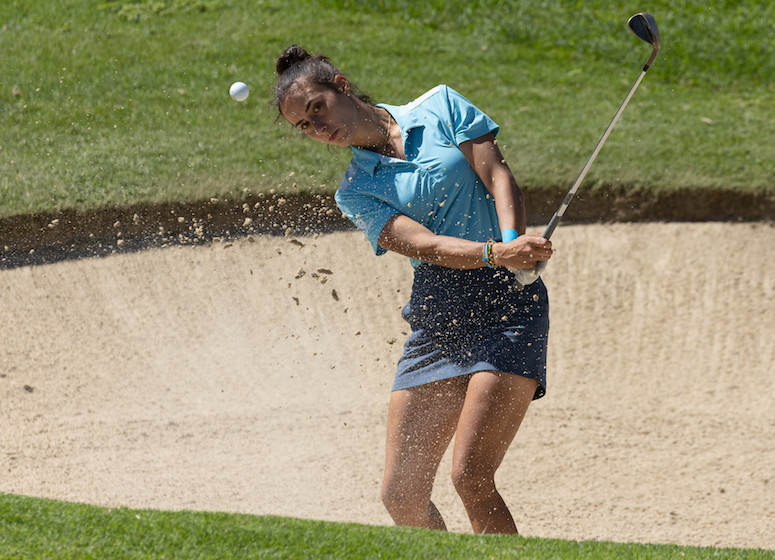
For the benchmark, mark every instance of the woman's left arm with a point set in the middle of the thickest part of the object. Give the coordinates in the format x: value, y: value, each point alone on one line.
x: 487, y: 161
x: 485, y: 158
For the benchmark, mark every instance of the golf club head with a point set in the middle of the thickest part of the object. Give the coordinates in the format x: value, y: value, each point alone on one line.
x: 645, y: 27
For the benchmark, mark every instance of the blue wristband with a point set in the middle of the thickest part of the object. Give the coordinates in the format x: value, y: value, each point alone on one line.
x: 509, y: 235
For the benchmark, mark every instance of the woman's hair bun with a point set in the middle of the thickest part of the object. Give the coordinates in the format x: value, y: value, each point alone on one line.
x: 296, y: 66
x: 292, y: 55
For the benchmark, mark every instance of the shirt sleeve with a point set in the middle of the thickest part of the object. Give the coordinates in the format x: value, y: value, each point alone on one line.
x: 468, y: 122
x: 365, y: 211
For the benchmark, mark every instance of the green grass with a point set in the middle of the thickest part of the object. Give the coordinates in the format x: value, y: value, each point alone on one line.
x: 115, y: 103
x: 38, y: 528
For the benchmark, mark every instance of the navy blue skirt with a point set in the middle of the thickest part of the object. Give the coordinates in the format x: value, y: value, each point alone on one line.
x: 465, y: 321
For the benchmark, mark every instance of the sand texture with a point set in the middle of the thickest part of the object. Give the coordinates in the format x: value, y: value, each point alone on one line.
x: 253, y: 376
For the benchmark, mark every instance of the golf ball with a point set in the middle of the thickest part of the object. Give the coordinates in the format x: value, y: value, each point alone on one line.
x: 239, y: 91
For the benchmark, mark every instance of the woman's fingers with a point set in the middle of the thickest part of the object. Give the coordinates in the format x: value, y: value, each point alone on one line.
x: 524, y: 252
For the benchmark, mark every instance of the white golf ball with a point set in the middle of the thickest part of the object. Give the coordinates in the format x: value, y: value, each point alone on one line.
x: 239, y: 91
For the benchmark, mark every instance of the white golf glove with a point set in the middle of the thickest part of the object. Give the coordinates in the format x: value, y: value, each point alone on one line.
x: 530, y: 275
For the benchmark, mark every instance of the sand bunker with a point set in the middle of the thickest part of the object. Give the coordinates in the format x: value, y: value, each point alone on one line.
x: 253, y: 376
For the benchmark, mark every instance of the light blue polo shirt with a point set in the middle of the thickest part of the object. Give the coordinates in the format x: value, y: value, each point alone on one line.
x: 435, y: 186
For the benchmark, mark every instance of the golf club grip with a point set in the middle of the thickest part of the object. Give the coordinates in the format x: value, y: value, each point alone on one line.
x: 553, y: 223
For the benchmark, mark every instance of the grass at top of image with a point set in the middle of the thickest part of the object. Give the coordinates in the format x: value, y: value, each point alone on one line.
x: 117, y: 103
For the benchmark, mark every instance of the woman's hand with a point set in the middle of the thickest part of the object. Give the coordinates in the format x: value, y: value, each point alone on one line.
x: 524, y: 253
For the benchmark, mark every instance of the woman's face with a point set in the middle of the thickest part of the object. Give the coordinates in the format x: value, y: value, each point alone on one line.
x: 322, y: 113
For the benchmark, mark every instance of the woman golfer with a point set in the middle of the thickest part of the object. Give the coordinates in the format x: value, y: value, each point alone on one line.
x: 427, y: 180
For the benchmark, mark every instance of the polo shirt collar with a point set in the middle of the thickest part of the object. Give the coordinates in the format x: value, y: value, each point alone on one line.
x: 406, y: 120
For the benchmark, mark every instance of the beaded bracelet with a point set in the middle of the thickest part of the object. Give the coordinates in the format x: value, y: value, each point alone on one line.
x: 487, y: 254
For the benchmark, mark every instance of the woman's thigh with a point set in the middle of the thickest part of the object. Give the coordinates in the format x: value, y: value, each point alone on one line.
x: 421, y: 423
x: 494, y: 408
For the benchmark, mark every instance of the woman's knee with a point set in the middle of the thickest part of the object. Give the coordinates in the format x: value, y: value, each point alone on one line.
x: 391, y: 494
x: 471, y: 481
x: 398, y: 489
x: 402, y: 496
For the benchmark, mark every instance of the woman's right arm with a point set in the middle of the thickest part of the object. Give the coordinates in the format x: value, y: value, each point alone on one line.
x: 407, y: 237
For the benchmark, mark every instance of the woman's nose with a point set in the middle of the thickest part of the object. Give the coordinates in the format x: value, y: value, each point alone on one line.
x: 318, y: 125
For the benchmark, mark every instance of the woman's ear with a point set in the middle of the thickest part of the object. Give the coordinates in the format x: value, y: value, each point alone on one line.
x: 342, y: 84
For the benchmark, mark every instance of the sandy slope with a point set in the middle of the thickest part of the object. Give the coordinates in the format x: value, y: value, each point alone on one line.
x: 253, y: 377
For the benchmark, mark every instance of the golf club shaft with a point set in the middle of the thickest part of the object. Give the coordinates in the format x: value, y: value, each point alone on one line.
x: 554, y: 222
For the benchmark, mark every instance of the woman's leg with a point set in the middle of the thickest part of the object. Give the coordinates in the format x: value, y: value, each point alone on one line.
x: 421, y: 422
x: 494, y: 407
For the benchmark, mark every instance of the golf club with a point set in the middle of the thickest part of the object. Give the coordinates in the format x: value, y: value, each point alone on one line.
x: 645, y: 27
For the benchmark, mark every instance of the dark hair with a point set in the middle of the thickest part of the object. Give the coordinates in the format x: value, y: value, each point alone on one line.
x: 296, y: 65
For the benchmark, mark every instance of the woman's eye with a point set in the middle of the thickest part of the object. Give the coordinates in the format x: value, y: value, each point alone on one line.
x: 304, y: 126
x: 316, y: 108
